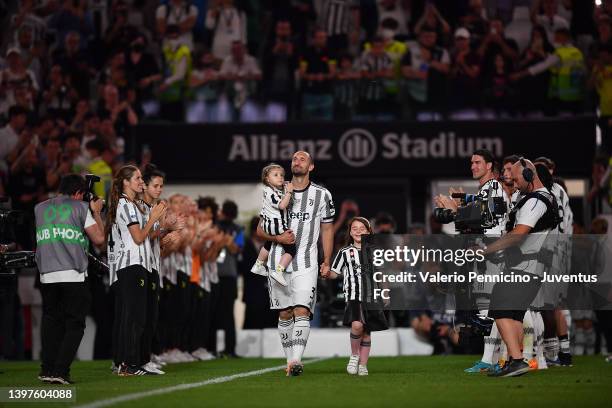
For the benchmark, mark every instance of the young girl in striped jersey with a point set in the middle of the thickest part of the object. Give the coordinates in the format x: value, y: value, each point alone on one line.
x: 276, y: 199
x: 361, y: 321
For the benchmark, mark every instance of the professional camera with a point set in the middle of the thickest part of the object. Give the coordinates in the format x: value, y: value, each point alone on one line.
x: 89, y: 195
x: 476, y: 212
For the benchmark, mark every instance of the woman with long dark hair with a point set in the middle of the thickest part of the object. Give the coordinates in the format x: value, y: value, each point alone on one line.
x: 127, y: 229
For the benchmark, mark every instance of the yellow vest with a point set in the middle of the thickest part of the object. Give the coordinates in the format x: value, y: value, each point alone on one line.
x: 172, y: 57
x: 568, y: 78
x: 604, y: 89
x: 102, y: 170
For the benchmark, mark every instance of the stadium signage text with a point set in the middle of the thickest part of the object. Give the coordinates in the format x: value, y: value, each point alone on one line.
x: 358, y: 147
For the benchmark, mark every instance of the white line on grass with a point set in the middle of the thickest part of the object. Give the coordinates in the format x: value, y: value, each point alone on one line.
x: 180, y: 387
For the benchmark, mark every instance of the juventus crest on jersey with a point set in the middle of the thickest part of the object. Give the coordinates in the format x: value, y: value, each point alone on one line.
x: 308, y: 209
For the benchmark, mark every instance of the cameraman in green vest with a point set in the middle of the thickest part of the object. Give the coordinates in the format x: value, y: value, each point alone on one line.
x: 64, y: 226
x: 568, y: 73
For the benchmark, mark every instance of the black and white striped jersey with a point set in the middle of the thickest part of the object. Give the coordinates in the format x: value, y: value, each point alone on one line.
x: 374, y: 89
x: 565, y: 211
x: 308, y: 209
x: 348, y: 264
x: 335, y: 16
x: 274, y: 220
x: 122, y: 250
x: 154, y: 243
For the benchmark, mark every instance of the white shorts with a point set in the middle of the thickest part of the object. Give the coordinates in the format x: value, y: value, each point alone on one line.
x: 301, y: 290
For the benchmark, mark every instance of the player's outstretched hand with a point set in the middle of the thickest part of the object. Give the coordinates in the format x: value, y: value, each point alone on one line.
x: 287, y: 237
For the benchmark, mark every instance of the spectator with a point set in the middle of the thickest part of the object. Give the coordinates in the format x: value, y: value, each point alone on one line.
x: 495, y: 42
x: 177, y: 67
x: 75, y: 62
x: 432, y: 20
x: 475, y: 20
x: 59, y: 95
x: 604, y: 36
x: 300, y: 14
x: 180, y: 13
x: 346, y: 88
x: 425, y: 67
x: 53, y: 163
x: 142, y: 74
x: 72, y: 16
x: 15, y: 77
x: 544, y: 13
x: 27, y: 187
x: 114, y: 72
x: 604, y: 9
x: 582, y: 24
x: 376, y: 66
x: 120, y: 112
x: 601, y: 80
x: 465, y: 73
x: 227, y: 24
x: 31, y: 52
x: 11, y: 140
x: 279, y: 65
x: 534, y: 89
x: 72, y: 153
x: 98, y: 166
x: 241, y: 74
x: 91, y: 128
x: 395, y: 50
x: 121, y: 32
x: 26, y: 17
x: 228, y: 274
x: 81, y: 110
x: 499, y: 94
x: 394, y: 10
x: 317, y: 68
x: 205, y: 86
x: 340, y: 20
x: 568, y: 73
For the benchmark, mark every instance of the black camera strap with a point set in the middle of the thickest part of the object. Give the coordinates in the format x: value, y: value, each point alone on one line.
x: 549, y: 220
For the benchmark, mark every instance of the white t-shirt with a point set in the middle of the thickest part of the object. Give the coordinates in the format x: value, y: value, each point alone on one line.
x: 70, y: 275
x: 8, y: 141
x: 177, y: 15
x: 125, y: 252
x: 529, y: 214
x: 228, y: 26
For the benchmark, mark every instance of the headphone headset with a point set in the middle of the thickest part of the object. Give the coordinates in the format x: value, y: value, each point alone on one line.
x: 527, y: 172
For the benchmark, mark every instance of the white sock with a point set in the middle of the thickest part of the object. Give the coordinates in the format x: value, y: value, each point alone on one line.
x: 579, y: 341
x: 490, y: 344
x: 539, y: 339
x: 551, y: 348
x: 528, y: 338
x: 301, y: 330
x: 285, y: 331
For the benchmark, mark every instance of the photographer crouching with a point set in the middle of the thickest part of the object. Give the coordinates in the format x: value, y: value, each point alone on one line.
x: 63, y: 226
x: 525, y: 255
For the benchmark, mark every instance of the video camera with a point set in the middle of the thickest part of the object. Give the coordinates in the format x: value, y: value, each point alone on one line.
x: 90, y: 180
x: 476, y: 212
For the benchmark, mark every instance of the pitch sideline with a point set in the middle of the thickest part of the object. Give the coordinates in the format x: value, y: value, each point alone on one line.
x: 180, y: 387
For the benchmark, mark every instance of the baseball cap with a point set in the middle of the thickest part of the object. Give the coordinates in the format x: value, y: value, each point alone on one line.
x: 462, y: 32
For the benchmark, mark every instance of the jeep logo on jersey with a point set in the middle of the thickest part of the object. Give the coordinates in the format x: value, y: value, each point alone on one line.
x: 299, y: 216
x: 357, y: 147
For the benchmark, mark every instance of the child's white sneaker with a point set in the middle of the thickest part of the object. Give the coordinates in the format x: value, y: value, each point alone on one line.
x: 351, y: 367
x: 277, y: 275
x: 259, y: 268
x: 363, y: 370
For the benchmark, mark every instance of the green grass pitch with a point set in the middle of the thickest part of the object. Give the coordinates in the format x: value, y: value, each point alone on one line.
x: 393, y: 382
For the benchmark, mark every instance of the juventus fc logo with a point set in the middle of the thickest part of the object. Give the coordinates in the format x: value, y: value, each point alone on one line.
x: 298, y: 333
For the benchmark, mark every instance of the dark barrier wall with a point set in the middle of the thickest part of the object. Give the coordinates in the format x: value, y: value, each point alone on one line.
x: 391, y: 149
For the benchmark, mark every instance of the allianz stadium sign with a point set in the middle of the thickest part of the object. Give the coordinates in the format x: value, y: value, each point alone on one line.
x: 237, y: 152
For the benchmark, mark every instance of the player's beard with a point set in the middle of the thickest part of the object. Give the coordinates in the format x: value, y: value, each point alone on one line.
x: 298, y: 173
